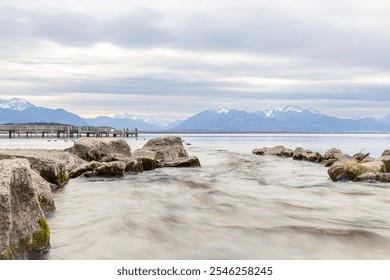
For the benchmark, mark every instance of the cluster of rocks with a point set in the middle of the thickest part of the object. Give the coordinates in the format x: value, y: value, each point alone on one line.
x: 342, y: 167
x: 28, y: 177
x: 297, y: 154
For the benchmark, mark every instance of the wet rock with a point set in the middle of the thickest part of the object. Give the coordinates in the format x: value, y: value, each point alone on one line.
x: 85, y: 167
x: 373, y: 177
x: 306, y: 155
x: 167, y: 148
x: 183, y: 162
x: 375, y: 166
x: 100, y: 169
x: 333, y: 155
x: 23, y: 228
x: 361, y: 157
x: 351, y: 170
x: 134, y: 165
x: 147, y: 158
x: 386, y: 162
x: 101, y: 149
x: 386, y: 153
x: 275, y: 151
x: 52, y: 165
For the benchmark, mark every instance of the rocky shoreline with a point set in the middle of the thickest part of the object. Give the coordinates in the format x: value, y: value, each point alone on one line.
x: 29, y: 176
x: 342, y: 167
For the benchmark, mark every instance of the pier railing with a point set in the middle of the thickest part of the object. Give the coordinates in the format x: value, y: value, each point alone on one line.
x: 64, y: 131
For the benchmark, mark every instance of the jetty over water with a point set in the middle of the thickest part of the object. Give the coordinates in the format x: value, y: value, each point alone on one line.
x: 63, y: 131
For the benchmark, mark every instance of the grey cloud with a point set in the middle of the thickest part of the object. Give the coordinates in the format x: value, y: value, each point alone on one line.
x: 257, y: 32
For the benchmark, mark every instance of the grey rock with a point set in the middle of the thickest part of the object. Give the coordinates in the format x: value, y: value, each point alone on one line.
x: 23, y: 228
x: 306, y: 155
x: 183, y: 162
x: 375, y: 166
x: 373, y: 177
x: 100, y: 169
x: 351, y: 170
x: 167, y: 148
x: 386, y: 161
x: 386, y: 153
x: 101, y: 149
x: 147, y: 158
x: 275, y: 151
x: 52, y: 165
x: 333, y: 155
x: 361, y: 157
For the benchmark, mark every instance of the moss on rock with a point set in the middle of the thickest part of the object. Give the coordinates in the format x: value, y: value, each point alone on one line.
x: 32, y: 245
x: 59, y: 178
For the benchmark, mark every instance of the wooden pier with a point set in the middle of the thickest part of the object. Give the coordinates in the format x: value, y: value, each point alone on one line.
x: 63, y: 131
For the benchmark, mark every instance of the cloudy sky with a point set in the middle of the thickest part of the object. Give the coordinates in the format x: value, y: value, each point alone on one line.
x: 105, y: 57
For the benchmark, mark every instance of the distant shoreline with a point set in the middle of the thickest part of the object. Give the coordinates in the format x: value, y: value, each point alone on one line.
x: 253, y: 132
x: 219, y: 133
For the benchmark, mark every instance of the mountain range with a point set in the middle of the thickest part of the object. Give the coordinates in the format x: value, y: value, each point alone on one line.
x: 288, y: 119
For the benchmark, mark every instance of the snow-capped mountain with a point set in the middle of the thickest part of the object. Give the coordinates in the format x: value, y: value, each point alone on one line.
x: 16, y: 104
x: 162, y: 120
x: 287, y: 119
x: 289, y: 110
x: 120, y: 123
x: 18, y: 110
x: 222, y: 110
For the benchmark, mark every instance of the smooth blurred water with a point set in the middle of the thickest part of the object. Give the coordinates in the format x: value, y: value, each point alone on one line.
x: 236, y: 206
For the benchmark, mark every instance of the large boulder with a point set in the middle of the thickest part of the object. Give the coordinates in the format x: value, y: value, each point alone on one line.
x: 101, y: 149
x: 148, y: 159
x: 183, y: 162
x: 23, y: 228
x: 386, y: 153
x: 386, y: 162
x: 52, y: 165
x: 306, y: 155
x: 280, y: 151
x: 333, y: 155
x: 351, y: 170
x: 167, y: 148
x: 99, y: 169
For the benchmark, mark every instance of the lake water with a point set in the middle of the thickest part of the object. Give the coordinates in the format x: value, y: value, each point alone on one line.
x: 236, y: 206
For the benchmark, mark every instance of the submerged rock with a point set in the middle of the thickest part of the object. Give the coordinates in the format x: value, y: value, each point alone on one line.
x: 167, y: 148
x: 307, y: 155
x: 23, y: 228
x: 183, y: 162
x: 275, y: 151
x: 101, y: 149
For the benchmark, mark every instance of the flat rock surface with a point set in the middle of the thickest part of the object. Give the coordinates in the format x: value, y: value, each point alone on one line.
x: 101, y: 149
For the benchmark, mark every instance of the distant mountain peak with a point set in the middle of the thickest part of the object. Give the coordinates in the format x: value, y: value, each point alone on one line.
x: 158, y: 119
x: 222, y: 110
x: 16, y: 104
x: 289, y: 108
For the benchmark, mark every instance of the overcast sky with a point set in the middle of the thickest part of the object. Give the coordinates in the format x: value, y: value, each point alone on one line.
x: 105, y: 57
